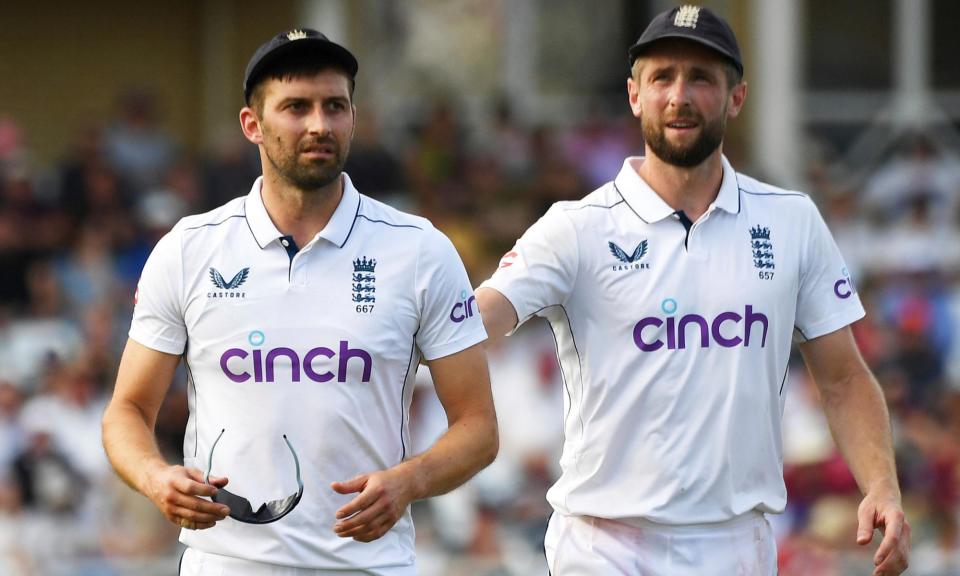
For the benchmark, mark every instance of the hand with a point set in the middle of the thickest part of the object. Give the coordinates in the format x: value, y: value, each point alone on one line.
x: 881, y: 509
x: 176, y: 491
x: 383, y: 498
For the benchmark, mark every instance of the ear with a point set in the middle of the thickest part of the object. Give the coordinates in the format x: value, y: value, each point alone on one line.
x: 736, y: 99
x: 250, y: 125
x: 633, y: 95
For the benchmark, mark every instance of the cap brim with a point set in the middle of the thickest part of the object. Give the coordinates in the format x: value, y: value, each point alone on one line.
x: 639, y: 48
x: 324, y: 50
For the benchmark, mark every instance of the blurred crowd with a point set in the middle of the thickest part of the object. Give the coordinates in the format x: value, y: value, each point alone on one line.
x: 75, y: 233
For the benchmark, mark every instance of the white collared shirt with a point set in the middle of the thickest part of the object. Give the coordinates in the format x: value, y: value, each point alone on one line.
x: 674, y: 344
x: 320, y: 344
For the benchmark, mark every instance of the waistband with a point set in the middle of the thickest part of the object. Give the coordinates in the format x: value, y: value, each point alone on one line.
x: 742, y: 521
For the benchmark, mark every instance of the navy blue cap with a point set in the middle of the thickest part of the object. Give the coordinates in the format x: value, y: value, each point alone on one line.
x: 295, y: 41
x: 701, y: 25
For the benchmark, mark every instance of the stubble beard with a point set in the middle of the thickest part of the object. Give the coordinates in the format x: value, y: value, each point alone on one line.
x: 307, y: 175
x: 710, y: 138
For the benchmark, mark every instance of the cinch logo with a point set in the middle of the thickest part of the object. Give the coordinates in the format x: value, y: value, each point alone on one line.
x: 647, y: 331
x: 263, y: 369
x: 844, y: 287
x: 463, y: 309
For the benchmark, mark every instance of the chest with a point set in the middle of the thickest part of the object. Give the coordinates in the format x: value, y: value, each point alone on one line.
x: 719, y: 270
x: 320, y: 303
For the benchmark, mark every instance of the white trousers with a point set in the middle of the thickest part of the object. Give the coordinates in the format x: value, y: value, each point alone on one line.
x: 588, y: 546
x: 197, y: 563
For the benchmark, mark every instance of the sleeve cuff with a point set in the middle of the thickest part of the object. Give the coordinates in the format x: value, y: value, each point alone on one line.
x: 158, y: 343
x: 832, y: 323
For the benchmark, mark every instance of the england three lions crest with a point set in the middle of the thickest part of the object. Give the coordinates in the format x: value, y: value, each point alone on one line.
x: 364, y: 283
x: 762, y: 248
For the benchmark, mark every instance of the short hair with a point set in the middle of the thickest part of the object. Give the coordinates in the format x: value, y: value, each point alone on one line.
x: 294, y: 66
x: 734, y: 76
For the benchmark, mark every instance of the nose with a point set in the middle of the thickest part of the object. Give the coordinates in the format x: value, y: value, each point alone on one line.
x: 679, y: 93
x: 317, y: 122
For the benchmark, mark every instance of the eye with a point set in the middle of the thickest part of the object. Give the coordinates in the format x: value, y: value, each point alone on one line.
x: 660, y: 77
x: 337, y: 106
x: 297, y: 106
x: 701, y: 77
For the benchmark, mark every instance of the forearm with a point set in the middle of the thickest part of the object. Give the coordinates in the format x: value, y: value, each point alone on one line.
x: 468, y: 446
x: 130, y: 444
x: 860, y: 424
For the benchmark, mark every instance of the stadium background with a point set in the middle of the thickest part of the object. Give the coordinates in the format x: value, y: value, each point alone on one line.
x: 116, y: 119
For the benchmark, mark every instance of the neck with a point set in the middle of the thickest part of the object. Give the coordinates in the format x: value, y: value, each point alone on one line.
x: 689, y: 189
x: 298, y: 213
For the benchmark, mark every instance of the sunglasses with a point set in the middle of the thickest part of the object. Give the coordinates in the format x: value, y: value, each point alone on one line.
x: 240, y: 508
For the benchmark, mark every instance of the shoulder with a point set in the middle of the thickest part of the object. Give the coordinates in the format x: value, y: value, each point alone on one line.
x: 384, y: 224
x: 792, y: 208
x: 755, y: 192
x: 231, y: 211
x: 594, y: 204
x: 597, y: 205
x: 376, y: 214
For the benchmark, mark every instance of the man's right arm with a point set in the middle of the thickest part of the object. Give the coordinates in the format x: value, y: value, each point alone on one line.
x: 499, y: 315
x: 128, y: 438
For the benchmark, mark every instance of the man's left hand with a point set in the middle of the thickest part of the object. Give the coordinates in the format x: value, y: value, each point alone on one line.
x: 382, y: 500
x: 881, y: 509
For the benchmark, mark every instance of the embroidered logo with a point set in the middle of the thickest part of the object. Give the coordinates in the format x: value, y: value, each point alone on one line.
x: 364, y: 283
x: 229, y: 287
x: 296, y: 35
x: 762, y: 248
x: 687, y: 16
x: 629, y: 261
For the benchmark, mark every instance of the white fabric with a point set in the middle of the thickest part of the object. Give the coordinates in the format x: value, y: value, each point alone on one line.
x: 286, y: 348
x: 674, y: 348
x: 588, y: 546
x: 197, y: 563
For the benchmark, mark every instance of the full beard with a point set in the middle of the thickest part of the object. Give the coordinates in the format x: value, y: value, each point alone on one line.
x: 309, y: 174
x: 711, y: 136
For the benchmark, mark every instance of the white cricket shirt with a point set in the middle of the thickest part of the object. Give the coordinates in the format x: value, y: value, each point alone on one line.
x: 674, y: 346
x: 320, y: 344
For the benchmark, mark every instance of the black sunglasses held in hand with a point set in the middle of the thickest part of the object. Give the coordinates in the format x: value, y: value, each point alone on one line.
x: 240, y: 509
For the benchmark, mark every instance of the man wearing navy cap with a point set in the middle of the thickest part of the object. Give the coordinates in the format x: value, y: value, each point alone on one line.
x: 674, y: 292
x: 301, y: 312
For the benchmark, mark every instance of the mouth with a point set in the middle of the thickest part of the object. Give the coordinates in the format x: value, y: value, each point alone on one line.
x: 682, y: 124
x: 322, y: 151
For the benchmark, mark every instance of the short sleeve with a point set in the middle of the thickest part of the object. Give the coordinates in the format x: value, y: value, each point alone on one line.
x: 449, y: 319
x: 541, y: 269
x: 158, y: 311
x: 827, y: 298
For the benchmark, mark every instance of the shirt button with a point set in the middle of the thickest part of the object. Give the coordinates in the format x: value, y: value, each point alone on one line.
x: 285, y: 243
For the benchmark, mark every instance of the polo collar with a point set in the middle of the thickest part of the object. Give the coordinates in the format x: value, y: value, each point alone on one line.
x: 336, y: 231
x: 650, y: 207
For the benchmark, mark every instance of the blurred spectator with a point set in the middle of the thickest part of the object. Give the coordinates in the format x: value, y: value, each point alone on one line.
x: 510, y: 143
x: 135, y: 146
x: 86, y: 274
x: 89, y: 187
x: 919, y: 169
x: 228, y: 171
x: 68, y: 416
x: 41, y: 338
x: 435, y: 163
x: 597, y: 148
x: 11, y: 434
x: 373, y: 167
